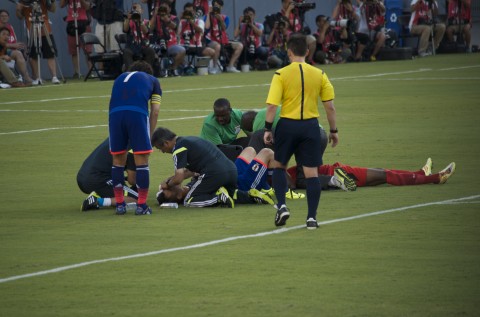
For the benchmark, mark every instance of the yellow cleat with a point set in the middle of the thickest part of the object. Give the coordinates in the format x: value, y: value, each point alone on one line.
x: 427, y: 169
x: 270, y: 192
x: 446, y: 173
x: 260, y: 197
x: 294, y: 195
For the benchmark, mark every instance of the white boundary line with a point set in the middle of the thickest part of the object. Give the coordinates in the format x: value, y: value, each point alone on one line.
x: 214, y: 242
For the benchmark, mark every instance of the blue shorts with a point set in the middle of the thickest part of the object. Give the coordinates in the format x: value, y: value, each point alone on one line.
x: 299, y: 137
x: 129, y: 130
x: 250, y: 175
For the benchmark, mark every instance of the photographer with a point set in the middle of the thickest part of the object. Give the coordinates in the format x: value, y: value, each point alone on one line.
x: 295, y: 19
x: 370, y: 28
x: 190, y: 33
x: 164, y: 26
x: 344, y: 10
x: 459, y: 21
x: 329, y: 46
x: 77, y: 10
x: 423, y: 23
x: 250, y: 34
x: 277, y: 43
x: 38, y: 12
x: 216, y: 25
x: 137, y: 38
x: 109, y: 16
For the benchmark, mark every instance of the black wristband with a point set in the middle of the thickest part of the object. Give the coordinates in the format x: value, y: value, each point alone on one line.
x: 268, y: 126
x: 334, y: 131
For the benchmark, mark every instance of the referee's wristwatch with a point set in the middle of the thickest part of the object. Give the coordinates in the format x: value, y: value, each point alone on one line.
x: 334, y: 131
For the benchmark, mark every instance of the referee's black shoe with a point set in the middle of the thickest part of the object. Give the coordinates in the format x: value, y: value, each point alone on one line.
x: 281, y: 216
x: 312, y: 224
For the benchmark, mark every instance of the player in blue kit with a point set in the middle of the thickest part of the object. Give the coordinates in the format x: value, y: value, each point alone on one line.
x: 130, y: 127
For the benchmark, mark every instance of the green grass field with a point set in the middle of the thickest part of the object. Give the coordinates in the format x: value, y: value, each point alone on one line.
x: 420, y: 258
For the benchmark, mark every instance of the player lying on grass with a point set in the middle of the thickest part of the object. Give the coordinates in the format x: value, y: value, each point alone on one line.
x: 252, y: 174
x: 364, y: 176
x: 214, y: 174
x: 95, y: 178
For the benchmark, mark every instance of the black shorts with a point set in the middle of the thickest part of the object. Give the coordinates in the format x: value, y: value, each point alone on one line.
x: 103, y: 188
x: 47, y: 52
x: 299, y: 137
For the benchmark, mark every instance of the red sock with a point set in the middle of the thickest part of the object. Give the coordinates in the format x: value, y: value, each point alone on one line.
x: 142, y: 196
x: 119, y: 198
x: 410, y: 178
x: 421, y: 172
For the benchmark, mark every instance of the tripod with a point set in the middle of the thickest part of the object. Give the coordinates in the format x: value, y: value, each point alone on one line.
x: 35, y: 38
x: 77, y: 45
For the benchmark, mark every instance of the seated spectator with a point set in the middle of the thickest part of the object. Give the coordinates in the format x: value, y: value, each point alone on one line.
x: 277, y: 44
x: 190, y: 33
x: 459, y: 21
x: 330, y: 48
x: 137, y: 38
x: 295, y: 21
x: 164, y: 26
x: 421, y: 23
x: 370, y: 28
x: 80, y: 9
x: 250, y: 33
x: 223, y: 125
x: 8, y: 76
x: 9, y: 55
x: 216, y: 25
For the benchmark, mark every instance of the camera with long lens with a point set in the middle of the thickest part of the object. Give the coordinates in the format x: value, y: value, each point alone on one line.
x: 135, y: 15
x: 251, y: 49
x: 216, y: 10
x: 339, y: 23
x: 304, y: 6
x: 246, y: 19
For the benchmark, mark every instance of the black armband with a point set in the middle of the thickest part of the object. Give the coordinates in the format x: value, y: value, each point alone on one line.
x: 268, y: 126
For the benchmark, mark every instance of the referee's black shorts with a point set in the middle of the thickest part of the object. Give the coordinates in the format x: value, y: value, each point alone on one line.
x: 299, y: 137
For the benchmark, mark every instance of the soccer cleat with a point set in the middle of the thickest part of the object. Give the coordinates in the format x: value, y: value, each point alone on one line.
x: 312, y: 224
x: 91, y: 202
x: 343, y: 177
x: 270, y: 192
x: 259, y: 197
x: 446, y: 173
x: 338, y: 183
x: 143, y: 210
x: 281, y: 216
x: 224, y: 198
x: 427, y: 169
x: 121, y: 209
x: 294, y: 195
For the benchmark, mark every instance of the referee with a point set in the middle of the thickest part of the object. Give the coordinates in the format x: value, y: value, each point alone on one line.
x: 297, y: 87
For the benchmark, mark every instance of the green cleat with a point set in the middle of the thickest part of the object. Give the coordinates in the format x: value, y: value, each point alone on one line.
x: 446, y: 173
x: 427, y: 169
x: 345, y: 180
x: 259, y: 197
x: 224, y: 198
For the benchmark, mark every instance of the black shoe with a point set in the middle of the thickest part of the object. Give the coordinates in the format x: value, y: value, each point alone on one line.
x: 91, y: 202
x: 312, y: 224
x: 281, y: 216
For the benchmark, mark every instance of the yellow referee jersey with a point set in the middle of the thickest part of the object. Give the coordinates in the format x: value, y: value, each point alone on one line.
x: 297, y: 87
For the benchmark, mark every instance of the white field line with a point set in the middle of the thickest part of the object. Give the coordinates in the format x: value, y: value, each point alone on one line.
x: 89, y: 126
x: 238, y: 86
x: 215, y: 242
